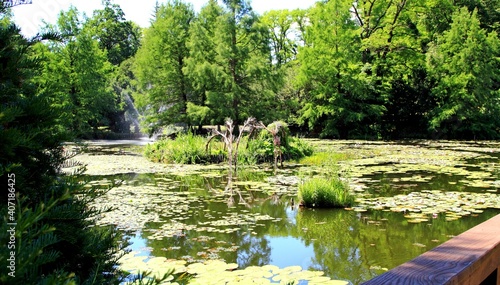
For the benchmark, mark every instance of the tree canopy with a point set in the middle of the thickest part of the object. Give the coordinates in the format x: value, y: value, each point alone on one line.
x: 340, y: 69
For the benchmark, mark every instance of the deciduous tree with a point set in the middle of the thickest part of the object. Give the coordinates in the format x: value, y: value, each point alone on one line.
x: 159, y: 66
x: 118, y: 36
x: 338, y: 100
x: 77, y: 71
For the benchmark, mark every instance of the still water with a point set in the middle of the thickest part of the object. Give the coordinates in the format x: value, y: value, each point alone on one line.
x: 195, y: 217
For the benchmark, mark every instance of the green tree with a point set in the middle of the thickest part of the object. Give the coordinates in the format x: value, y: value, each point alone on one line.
x: 199, y: 66
x: 283, y: 35
x: 488, y: 12
x: 159, y: 66
x: 394, y: 41
x: 125, y: 85
x: 465, y: 66
x: 337, y: 100
x: 76, y: 70
x: 286, y: 36
x: 239, y: 66
x: 436, y: 18
x: 119, y: 37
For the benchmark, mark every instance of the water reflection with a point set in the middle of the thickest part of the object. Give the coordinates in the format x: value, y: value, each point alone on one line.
x: 344, y: 244
x: 250, y: 224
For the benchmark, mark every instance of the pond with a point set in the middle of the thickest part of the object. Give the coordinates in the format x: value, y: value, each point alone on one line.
x: 411, y: 197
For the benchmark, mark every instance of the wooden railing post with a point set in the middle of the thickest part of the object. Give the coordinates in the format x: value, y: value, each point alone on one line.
x: 469, y: 258
x: 498, y: 274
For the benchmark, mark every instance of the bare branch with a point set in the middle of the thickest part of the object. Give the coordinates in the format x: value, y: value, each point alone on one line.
x: 357, y: 15
x: 210, y: 139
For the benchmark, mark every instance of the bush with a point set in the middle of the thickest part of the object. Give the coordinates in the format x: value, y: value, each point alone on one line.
x: 325, y: 193
x: 261, y: 149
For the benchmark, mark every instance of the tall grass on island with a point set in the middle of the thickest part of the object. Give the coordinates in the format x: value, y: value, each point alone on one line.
x: 187, y: 148
x: 320, y: 192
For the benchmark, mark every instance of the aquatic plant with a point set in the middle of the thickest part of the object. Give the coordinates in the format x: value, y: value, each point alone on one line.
x: 322, y: 192
x: 149, y: 277
x: 219, y: 272
x: 426, y: 204
x: 188, y: 148
x: 277, y: 130
x: 261, y: 149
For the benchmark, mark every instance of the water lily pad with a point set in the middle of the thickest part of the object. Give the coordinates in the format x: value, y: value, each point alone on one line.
x: 431, y: 203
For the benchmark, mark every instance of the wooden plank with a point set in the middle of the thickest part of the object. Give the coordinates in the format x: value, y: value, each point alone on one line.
x: 465, y: 259
x: 498, y: 274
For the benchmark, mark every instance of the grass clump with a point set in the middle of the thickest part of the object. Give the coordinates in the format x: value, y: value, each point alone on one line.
x: 322, y: 192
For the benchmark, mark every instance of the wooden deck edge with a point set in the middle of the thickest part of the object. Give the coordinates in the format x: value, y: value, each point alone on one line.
x: 468, y: 258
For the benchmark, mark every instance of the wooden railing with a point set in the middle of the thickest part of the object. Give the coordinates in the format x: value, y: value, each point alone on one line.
x: 470, y: 258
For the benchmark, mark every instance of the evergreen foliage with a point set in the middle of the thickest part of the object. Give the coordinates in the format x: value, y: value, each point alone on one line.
x: 76, y: 71
x: 229, y: 62
x: 55, y: 242
x: 338, y: 101
x: 376, y: 69
x: 465, y: 66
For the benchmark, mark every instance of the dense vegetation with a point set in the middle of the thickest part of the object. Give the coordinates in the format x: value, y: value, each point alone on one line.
x: 191, y: 149
x: 341, y: 69
x: 47, y: 230
x: 86, y: 70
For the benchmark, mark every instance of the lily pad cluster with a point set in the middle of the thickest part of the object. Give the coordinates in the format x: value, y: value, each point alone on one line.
x: 219, y: 272
x: 234, y: 220
x: 99, y: 163
x: 133, y: 207
x: 421, y: 206
x: 474, y: 166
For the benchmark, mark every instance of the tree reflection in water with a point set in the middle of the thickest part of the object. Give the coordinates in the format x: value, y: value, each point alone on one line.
x: 267, y: 228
